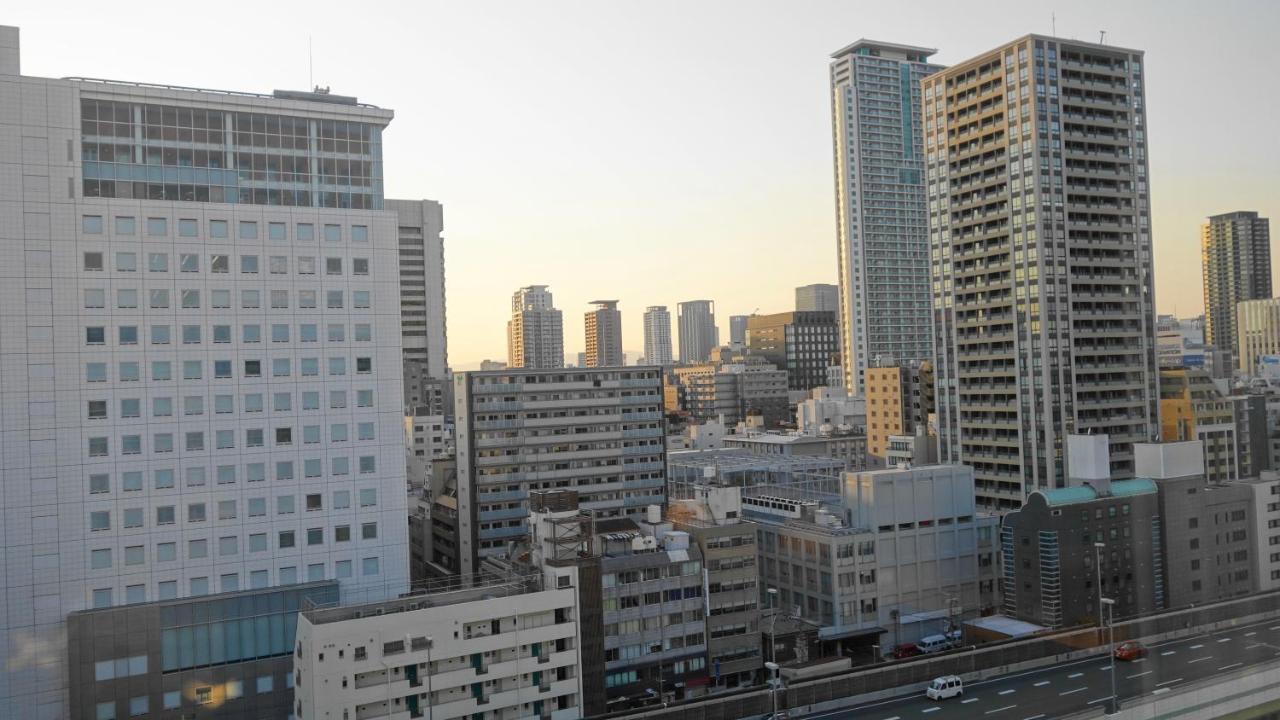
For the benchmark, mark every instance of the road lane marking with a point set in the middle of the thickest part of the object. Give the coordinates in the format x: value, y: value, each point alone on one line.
x: 929, y: 710
x: 1255, y: 645
x: 1072, y: 676
x: 1196, y: 647
x: 1079, y: 689
x: 1034, y: 717
x: 1006, y: 707
x: 1251, y: 633
x: 1042, y: 683
x: 1232, y: 665
x: 1157, y: 691
x: 895, y: 717
x: 1006, y: 692
x: 1224, y: 639
x: 966, y: 702
x: 1274, y: 627
x: 1206, y: 657
x: 1101, y: 699
x: 1169, y: 682
x: 1168, y: 652
x: 1130, y: 677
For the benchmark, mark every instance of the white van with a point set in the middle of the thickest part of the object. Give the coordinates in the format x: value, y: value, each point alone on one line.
x: 934, y: 643
x: 945, y: 687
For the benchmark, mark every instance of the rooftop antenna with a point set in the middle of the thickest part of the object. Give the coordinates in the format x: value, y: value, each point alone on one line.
x: 1102, y: 37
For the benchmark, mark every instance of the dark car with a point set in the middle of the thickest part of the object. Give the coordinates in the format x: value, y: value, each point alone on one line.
x: 906, y: 650
x: 1130, y: 650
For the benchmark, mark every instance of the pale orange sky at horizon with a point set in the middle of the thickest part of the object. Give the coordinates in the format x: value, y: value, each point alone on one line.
x: 656, y: 152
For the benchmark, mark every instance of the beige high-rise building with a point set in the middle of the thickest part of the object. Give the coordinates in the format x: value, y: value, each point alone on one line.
x: 535, y: 332
x: 1257, y: 332
x: 899, y: 400
x: 1235, y: 258
x: 604, y: 335
x: 1041, y: 249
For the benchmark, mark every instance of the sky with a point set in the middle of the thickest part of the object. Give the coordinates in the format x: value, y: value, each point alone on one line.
x: 661, y: 150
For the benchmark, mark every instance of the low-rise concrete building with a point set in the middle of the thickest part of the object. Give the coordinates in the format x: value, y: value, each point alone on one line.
x: 473, y: 646
x: 851, y: 447
x: 897, y: 551
x: 829, y: 409
x: 731, y: 385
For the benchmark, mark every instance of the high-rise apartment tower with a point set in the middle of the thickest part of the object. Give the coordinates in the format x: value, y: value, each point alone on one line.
x: 535, y: 332
x: 657, y: 335
x: 604, y: 335
x: 881, y: 216
x: 698, y: 332
x: 1235, y: 258
x: 1040, y: 225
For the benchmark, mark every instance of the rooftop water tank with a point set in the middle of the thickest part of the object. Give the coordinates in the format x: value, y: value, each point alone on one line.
x: 676, y: 540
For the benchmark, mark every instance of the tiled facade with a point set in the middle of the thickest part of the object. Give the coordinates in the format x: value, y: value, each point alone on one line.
x: 197, y: 396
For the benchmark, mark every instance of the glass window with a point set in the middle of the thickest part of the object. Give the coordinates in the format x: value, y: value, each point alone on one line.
x: 135, y: 554
x: 228, y: 546
x: 95, y: 372
x: 95, y: 298
x: 359, y: 266
x: 369, y: 531
x: 172, y: 698
x: 280, y: 333
x: 99, y: 483
x: 359, y: 233
x: 163, y: 480
x: 223, y: 404
x: 192, y: 369
x: 131, y: 480
x: 219, y: 263
x: 93, y: 261
x: 364, y: 398
x: 129, y: 372
x: 126, y: 226
x: 367, y: 464
x: 100, y: 520
x: 220, y: 299
x: 104, y: 710
x: 338, y: 432
x: 165, y: 515
x: 364, y: 365
x: 253, y: 368
x: 166, y: 552
x: 333, y: 266
x: 159, y: 334
x: 195, y: 513
x: 126, y: 262
x: 360, y: 298
x: 161, y: 370
x: 159, y: 298
x: 126, y: 299
x: 189, y: 263
x: 224, y: 440
x: 157, y: 227
x: 255, y: 472
x: 253, y: 403
x: 276, y: 231
x: 315, y: 536
x: 130, y: 408
x: 200, y: 586
x: 306, y: 298
x: 306, y: 232
x: 253, y: 437
x: 250, y: 299
x: 248, y: 230
x: 257, y: 541
x: 363, y: 332
x: 368, y: 497
x: 311, y: 433
x: 100, y: 559
x: 158, y: 262
x: 341, y: 499
x: 95, y: 335
x: 284, y: 505
x: 128, y: 334
x: 369, y: 566
x: 251, y: 334
x: 311, y: 401
x: 279, y: 299
x: 337, y: 366
x: 190, y: 334
x: 218, y: 229
x: 222, y: 333
x: 97, y: 447
x: 187, y: 227
x: 138, y: 705
x: 279, y: 265
x: 92, y: 224
x: 306, y: 265
x: 195, y: 441
x: 337, y: 333
x: 342, y: 569
x: 332, y: 233
x: 337, y: 399
x: 249, y: 264
x: 130, y: 444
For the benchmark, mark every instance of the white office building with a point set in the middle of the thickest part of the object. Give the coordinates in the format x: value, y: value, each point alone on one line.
x: 422, y: 308
x: 200, y: 371
x: 535, y: 332
x: 881, y: 214
x: 657, y: 335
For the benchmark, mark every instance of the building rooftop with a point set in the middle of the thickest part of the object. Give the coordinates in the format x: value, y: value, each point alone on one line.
x: 877, y: 45
x: 451, y: 590
x: 1084, y: 493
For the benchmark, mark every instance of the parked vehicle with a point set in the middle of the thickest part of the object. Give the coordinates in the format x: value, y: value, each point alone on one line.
x: 934, y: 643
x: 906, y: 650
x: 945, y: 687
x: 1130, y: 650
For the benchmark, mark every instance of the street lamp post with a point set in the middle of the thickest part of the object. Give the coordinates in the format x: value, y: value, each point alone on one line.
x: 773, y: 688
x: 772, y: 594
x: 1098, y: 547
x: 1111, y: 639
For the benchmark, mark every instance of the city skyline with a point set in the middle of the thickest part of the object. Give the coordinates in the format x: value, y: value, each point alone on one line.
x: 683, y: 184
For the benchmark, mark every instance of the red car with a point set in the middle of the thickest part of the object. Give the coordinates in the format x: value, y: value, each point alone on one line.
x: 1130, y: 650
x: 906, y: 650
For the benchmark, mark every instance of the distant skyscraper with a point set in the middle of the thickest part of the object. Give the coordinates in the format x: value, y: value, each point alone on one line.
x: 802, y: 343
x: 738, y: 329
x: 604, y: 335
x: 698, y: 332
x: 819, y: 297
x: 881, y: 216
x: 535, y: 332
x: 1043, y: 300
x: 657, y: 335
x: 1235, y: 254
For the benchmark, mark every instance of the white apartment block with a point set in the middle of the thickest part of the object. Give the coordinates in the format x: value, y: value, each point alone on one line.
x: 535, y: 332
x: 497, y: 649
x: 881, y: 214
x: 604, y: 335
x: 657, y: 335
x: 597, y: 431
x: 200, y: 366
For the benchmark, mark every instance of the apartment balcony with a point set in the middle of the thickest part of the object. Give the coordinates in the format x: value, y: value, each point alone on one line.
x: 507, y: 514
x: 506, y: 495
